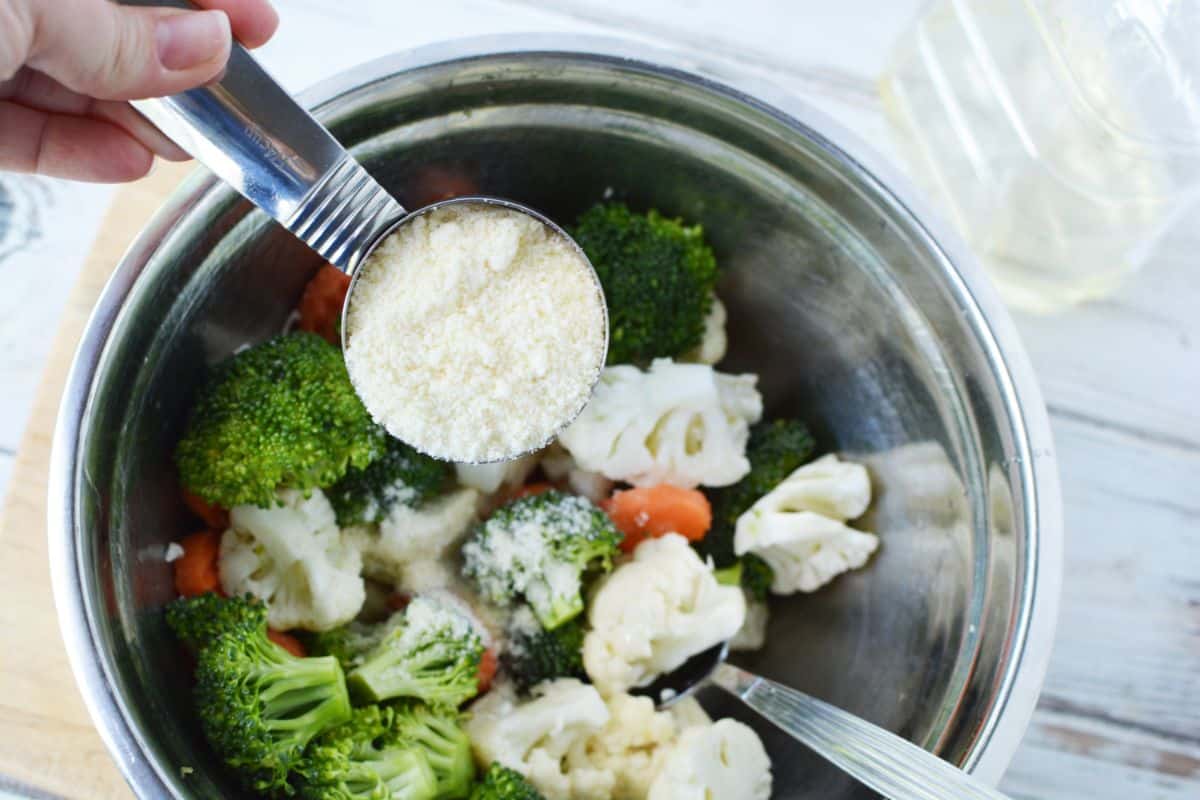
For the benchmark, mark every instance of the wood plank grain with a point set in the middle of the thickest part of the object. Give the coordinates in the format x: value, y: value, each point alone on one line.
x: 46, y: 228
x: 1120, y: 713
x: 1066, y: 757
x: 46, y: 738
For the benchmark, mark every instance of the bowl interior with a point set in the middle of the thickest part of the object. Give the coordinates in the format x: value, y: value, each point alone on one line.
x: 837, y: 299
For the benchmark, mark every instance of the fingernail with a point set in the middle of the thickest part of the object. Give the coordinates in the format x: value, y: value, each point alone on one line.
x: 190, y: 39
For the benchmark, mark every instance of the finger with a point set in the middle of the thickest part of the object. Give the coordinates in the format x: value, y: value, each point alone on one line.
x: 67, y: 146
x: 115, y: 52
x: 253, y: 21
x: 127, y: 119
x: 41, y: 92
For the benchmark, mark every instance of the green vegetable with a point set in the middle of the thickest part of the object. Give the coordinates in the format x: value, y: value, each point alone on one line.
x: 502, y: 783
x: 431, y: 653
x: 198, y: 620
x: 258, y: 704
x: 367, y: 759
x: 445, y: 745
x: 757, y: 576
x: 351, y: 642
x: 533, y: 656
x: 280, y: 414
x: 400, y: 476
x: 775, y: 450
x: 539, y: 548
x: 658, y: 277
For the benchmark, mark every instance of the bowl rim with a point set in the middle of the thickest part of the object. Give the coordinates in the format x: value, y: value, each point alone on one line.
x: 1031, y: 637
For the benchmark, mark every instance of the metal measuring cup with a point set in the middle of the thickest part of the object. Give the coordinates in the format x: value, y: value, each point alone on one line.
x: 254, y: 136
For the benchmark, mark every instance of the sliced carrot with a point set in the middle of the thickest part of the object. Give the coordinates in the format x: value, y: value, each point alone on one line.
x: 656, y: 510
x: 321, y: 304
x: 531, y: 489
x: 196, y: 570
x: 287, y: 642
x: 435, y: 183
x: 488, y: 664
x: 214, y: 516
x: 398, y: 601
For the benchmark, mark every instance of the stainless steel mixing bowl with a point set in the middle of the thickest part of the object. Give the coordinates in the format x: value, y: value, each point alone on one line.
x: 859, y: 313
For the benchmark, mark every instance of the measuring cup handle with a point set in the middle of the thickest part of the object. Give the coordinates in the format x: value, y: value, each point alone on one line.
x: 250, y: 132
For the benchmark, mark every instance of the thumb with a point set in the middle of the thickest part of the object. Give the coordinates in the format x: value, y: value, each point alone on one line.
x: 114, y: 52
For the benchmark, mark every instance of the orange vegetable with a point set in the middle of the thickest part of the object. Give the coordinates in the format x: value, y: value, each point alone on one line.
x: 398, y: 601
x: 321, y: 304
x: 655, y: 510
x: 214, y: 516
x: 287, y: 642
x: 530, y: 489
x: 488, y: 664
x: 196, y: 570
x: 435, y: 183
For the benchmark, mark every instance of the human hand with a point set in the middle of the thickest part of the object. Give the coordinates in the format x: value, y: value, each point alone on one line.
x: 67, y: 66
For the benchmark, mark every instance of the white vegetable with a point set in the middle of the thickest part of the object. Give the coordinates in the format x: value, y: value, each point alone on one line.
x: 683, y: 424
x: 487, y: 478
x: 712, y: 347
x: 653, y: 613
x: 621, y: 760
x: 558, y: 465
x: 534, y: 736
x: 295, y: 559
x: 572, y: 746
x: 407, y: 536
x: 799, y: 528
x: 753, y: 633
x: 725, y: 760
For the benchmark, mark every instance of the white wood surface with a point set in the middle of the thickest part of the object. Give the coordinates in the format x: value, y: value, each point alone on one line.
x: 1120, y: 715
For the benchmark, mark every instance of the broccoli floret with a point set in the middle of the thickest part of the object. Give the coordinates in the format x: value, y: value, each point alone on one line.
x: 444, y: 743
x: 280, y: 414
x: 401, y: 475
x: 351, y: 642
x: 658, y: 277
x: 258, y: 704
x: 431, y: 654
x: 366, y: 759
x: 749, y: 572
x: 757, y: 576
x: 535, y: 654
x: 539, y: 548
x: 775, y: 450
x: 198, y: 620
x: 502, y: 783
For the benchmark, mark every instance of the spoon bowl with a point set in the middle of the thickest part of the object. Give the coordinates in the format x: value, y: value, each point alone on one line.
x: 878, y: 758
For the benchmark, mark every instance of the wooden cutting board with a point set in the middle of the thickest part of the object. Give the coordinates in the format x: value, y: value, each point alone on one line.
x: 47, y: 740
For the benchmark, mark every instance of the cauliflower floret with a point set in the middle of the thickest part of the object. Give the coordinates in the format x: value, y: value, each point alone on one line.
x: 573, y: 746
x: 753, y: 633
x: 712, y: 347
x: 558, y: 465
x: 623, y: 758
x: 295, y: 559
x: 407, y: 536
x: 534, y: 736
x: 724, y: 760
x: 487, y: 478
x: 799, y: 527
x: 683, y: 424
x: 653, y: 613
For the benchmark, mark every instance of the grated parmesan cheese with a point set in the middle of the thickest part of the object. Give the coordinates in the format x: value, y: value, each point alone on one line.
x: 474, y: 333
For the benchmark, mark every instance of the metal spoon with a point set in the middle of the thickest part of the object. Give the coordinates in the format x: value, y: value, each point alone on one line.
x: 253, y: 135
x: 881, y: 760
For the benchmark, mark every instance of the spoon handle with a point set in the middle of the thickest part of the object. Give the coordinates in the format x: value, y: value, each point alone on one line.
x: 894, y: 767
x: 249, y: 131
